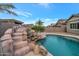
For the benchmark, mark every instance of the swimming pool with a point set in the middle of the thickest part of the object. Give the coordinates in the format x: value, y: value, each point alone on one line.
x: 60, y: 45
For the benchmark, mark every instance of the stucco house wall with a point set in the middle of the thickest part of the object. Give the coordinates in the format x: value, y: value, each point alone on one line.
x: 72, y: 20
x: 49, y: 29
x: 60, y: 29
x: 60, y: 26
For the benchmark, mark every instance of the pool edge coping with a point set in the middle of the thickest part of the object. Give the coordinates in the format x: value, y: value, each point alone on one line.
x: 66, y: 35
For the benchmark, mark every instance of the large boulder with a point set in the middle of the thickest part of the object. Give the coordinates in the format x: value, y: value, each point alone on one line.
x: 21, y: 29
x: 7, y: 47
x: 9, y: 31
x: 24, y: 33
x: 6, y: 37
x: 43, y: 52
x: 22, y: 51
x: 6, y: 43
x: 20, y: 44
x: 37, y: 49
x: 17, y: 34
x: 32, y: 45
x: 20, y: 33
x: 19, y: 38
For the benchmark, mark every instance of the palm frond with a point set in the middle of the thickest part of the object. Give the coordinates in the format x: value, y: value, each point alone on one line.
x: 11, y: 12
x: 7, y: 8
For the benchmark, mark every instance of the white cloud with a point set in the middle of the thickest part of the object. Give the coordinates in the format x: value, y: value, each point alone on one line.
x: 31, y: 21
x: 48, y: 21
x: 28, y: 13
x: 23, y: 13
x: 45, y: 5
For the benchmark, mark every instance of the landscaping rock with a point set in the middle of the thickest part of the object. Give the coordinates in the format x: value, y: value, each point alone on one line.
x: 20, y: 44
x: 37, y: 49
x: 20, y: 29
x: 43, y: 52
x: 32, y: 45
x: 9, y: 31
x: 24, y: 33
x: 6, y: 43
x: 17, y: 34
x: 7, y: 47
x: 15, y: 42
x: 6, y: 37
x: 19, y: 38
x: 22, y: 51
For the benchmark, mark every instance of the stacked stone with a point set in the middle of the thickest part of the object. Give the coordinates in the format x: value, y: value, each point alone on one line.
x: 21, y: 46
x: 6, y: 43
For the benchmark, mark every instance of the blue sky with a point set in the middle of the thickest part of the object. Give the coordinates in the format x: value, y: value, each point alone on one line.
x: 47, y: 12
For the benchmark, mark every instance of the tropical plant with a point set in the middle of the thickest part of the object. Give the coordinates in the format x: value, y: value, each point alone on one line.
x: 38, y: 27
x: 39, y: 22
x: 7, y: 8
x: 31, y: 35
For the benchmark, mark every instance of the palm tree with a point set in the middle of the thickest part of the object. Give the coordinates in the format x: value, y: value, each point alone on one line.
x: 38, y: 27
x: 7, y: 8
x: 39, y: 22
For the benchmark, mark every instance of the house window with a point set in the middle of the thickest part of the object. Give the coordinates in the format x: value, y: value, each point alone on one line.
x: 77, y: 25
x: 74, y: 26
x: 71, y: 26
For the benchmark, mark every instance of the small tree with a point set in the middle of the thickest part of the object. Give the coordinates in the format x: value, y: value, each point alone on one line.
x: 38, y: 27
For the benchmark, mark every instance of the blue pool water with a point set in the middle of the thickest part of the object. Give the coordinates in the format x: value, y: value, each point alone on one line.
x: 60, y: 45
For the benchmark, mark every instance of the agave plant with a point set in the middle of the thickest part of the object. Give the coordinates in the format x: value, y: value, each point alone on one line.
x: 7, y: 8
